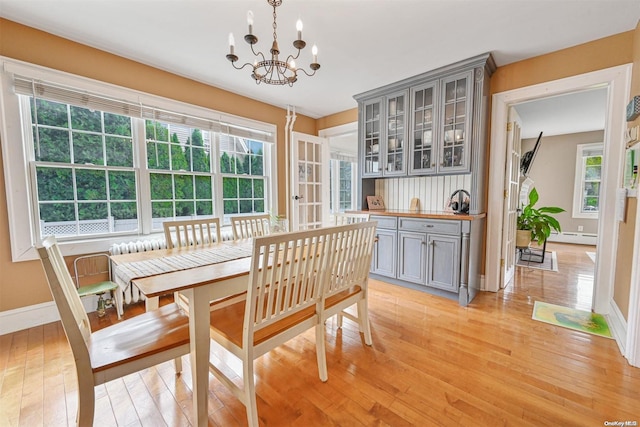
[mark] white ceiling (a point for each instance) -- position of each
(363, 44)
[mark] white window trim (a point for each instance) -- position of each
(14, 152)
(579, 175)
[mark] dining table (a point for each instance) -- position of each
(201, 273)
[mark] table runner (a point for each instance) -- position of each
(124, 273)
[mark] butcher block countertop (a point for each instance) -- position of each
(424, 214)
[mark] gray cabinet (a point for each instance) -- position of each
(443, 262)
(434, 123)
(441, 256)
(412, 257)
(383, 260)
(383, 138)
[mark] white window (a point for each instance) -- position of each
(94, 164)
(342, 177)
(586, 195)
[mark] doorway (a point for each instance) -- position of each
(616, 81)
(566, 170)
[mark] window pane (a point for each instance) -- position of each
(184, 209)
(54, 184)
(162, 209)
(245, 189)
(258, 188)
(87, 149)
(592, 173)
(122, 185)
(57, 212)
(229, 188)
(52, 114)
(119, 151)
(85, 119)
(204, 208)
(117, 125)
(91, 184)
(184, 187)
(127, 210)
(246, 206)
(161, 186)
(92, 211)
(53, 146)
(203, 187)
(230, 207)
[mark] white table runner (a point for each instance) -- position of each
(124, 273)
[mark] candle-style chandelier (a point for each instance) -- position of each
(273, 71)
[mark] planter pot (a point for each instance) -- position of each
(523, 238)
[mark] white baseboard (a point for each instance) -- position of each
(36, 315)
(617, 326)
(571, 237)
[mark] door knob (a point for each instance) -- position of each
(297, 197)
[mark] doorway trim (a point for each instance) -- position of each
(617, 81)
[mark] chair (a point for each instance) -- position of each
(115, 351)
(283, 300)
(93, 277)
(245, 227)
(191, 232)
(349, 218)
(347, 284)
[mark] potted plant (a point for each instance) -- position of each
(535, 224)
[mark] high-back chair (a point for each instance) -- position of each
(283, 301)
(245, 227)
(192, 232)
(349, 218)
(93, 277)
(348, 275)
(115, 351)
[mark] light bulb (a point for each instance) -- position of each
(292, 64)
(314, 52)
(232, 43)
(299, 28)
(250, 21)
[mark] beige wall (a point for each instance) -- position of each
(553, 173)
(22, 284)
(622, 289)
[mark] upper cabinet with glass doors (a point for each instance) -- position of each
(430, 124)
(370, 116)
(384, 136)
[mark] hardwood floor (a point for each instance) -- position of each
(432, 363)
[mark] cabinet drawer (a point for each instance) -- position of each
(431, 225)
(386, 222)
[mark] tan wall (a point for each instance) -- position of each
(337, 119)
(22, 284)
(622, 281)
(553, 173)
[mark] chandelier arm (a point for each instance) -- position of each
(290, 57)
(305, 71)
(243, 65)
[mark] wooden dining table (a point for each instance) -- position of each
(200, 284)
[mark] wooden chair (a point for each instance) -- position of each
(191, 232)
(349, 218)
(283, 300)
(93, 277)
(250, 226)
(115, 351)
(347, 281)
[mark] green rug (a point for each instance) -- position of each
(571, 318)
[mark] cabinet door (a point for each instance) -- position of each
(455, 131)
(412, 257)
(371, 138)
(443, 262)
(423, 154)
(396, 135)
(384, 254)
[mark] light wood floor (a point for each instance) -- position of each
(432, 363)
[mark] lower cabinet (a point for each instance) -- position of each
(443, 262)
(412, 257)
(383, 260)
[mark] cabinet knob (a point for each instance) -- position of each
(428, 225)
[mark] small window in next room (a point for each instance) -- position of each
(586, 195)
(342, 175)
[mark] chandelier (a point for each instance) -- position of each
(273, 71)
